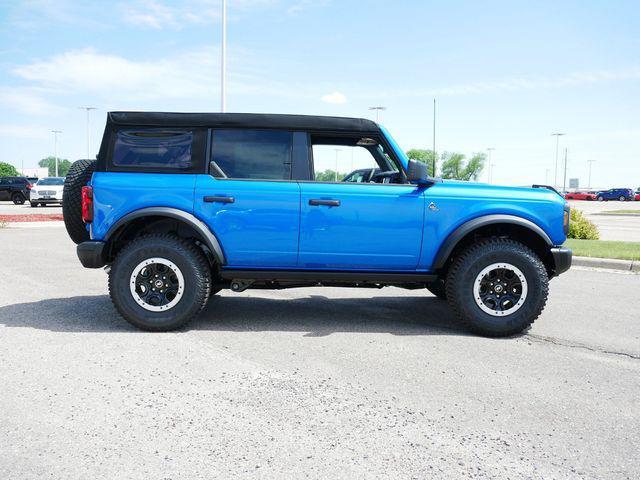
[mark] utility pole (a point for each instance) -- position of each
(546, 176)
(336, 172)
(490, 149)
(590, 163)
(55, 147)
(555, 177)
(378, 110)
(434, 137)
(223, 60)
(491, 165)
(564, 182)
(88, 109)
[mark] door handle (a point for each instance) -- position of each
(220, 199)
(328, 203)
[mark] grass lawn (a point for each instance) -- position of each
(620, 212)
(605, 249)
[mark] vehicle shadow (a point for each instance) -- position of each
(313, 316)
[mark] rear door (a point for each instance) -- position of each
(375, 225)
(248, 198)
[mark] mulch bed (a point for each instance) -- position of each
(34, 217)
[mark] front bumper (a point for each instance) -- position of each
(562, 259)
(92, 254)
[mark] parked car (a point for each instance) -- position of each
(580, 196)
(621, 194)
(47, 190)
(180, 206)
(637, 195)
(15, 189)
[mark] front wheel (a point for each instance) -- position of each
(622, 198)
(159, 282)
(34, 204)
(497, 287)
(600, 198)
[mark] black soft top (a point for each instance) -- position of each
(241, 120)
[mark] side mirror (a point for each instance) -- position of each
(418, 173)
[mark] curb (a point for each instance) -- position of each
(608, 263)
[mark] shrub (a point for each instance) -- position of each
(581, 227)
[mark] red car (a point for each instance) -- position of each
(580, 196)
(638, 195)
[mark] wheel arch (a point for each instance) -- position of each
(511, 226)
(163, 219)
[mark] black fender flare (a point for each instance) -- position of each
(459, 233)
(198, 225)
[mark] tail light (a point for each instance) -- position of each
(29, 186)
(87, 204)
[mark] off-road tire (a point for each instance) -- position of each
(18, 198)
(186, 256)
(78, 176)
(470, 262)
(438, 289)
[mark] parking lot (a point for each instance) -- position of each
(309, 382)
(612, 227)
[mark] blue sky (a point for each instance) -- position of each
(506, 74)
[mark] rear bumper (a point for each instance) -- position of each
(562, 259)
(92, 254)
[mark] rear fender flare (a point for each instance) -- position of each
(198, 225)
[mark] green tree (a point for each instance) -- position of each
(8, 170)
(329, 176)
(50, 163)
(455, 166)
(424, 156)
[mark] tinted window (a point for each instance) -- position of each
(253, 154)
(51, 181)
(153, 148)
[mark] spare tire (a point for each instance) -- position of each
(78, 176)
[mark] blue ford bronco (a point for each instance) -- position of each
(178, 206)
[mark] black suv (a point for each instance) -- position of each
(15, 189)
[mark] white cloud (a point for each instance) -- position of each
(26, 100)
(302, 5)
(335, 98)
(149, 13)
(25, 131)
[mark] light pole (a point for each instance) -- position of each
(223, 60)
(555, 177)
(55, 147)
(490, 149)
(88, 109)
(564, 182)
(336, 172)
(590, 163)
(491, 165)
(434, 137)
(378, 110)
(547, 171)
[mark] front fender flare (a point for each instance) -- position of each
(198, 225)
(459, 233)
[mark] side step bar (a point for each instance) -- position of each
(328, 276)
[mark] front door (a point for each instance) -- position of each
(249, 201)
(359, 224)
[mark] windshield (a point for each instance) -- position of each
(51, 181)
(396, 148)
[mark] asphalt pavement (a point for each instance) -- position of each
(315, 383)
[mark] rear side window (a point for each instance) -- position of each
(153, 149)
(252, 154)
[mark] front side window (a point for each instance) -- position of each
(252, 154)
(153, 148)
(352, 160)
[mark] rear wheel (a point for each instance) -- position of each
(497, 287)
(159, 282)
(622, 198)
(18, 198)
(78, 176)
